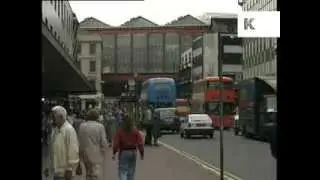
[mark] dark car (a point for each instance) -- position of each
(168, 120)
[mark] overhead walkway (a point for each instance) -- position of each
(59, 72)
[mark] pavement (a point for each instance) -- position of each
(245, 159)
(198, 158)
(159, 163)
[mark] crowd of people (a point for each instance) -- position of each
(84, 137)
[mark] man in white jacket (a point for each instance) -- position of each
(64, 149)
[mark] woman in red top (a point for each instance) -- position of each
(126, 142)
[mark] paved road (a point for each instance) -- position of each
(245, 158)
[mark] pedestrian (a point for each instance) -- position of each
(78, 121)
(119, 116)
(93, 145)
(155, 129)
(147, 121)
(64, 149)
(272, 138)
(71, 118)
(126, 142)
(110, 127)
(114, 126)
(44, 136)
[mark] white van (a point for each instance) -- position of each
(196, 124)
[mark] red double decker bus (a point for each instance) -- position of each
(206, 99)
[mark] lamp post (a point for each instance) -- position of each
(220, 73)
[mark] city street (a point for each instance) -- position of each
(245, 158)
(123, 67)
(159, 163)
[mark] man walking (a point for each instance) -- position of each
(155, 131)
(93, 145)
(64, 147)
(148, 125)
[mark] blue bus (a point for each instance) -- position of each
(159, 92)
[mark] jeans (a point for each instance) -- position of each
(127, 164)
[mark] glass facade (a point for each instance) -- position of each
(171, 62)
(108, 53)
(155, 53)
(123, 53)
(140, 53)
(186, 42)
(151, 53)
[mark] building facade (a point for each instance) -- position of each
(205, 56)
(206, 49)
(259, 54)
(201, 60)
(184, 81)
(140, 49)
(89, 52)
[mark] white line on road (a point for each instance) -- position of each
(203, 164)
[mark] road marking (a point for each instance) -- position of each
(203, 164)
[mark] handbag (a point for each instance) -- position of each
(79, 170)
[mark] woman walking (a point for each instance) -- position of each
(126, 142)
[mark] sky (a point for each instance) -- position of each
(161, 12)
